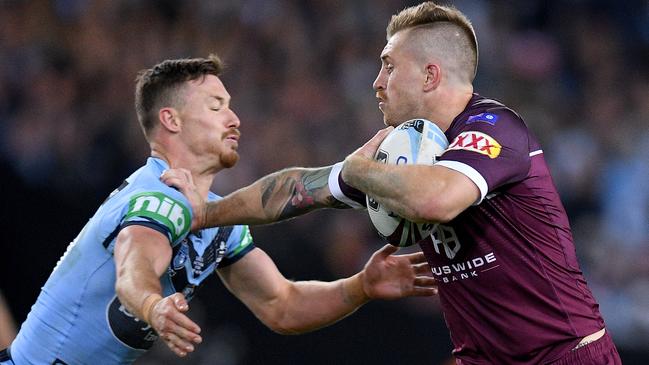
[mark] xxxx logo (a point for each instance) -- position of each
(476, 142)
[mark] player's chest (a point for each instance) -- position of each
(458, 257)
(196, 258)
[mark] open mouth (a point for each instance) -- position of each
(381, 101)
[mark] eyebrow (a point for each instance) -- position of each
(385, 57)
(220, 99)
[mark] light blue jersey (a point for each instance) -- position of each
(77, 318)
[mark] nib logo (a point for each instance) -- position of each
(163, 209)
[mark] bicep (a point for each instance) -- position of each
(139, 245)
(458, 192)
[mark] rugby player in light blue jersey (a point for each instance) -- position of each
(129, 275)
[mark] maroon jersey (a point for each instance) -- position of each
(510, 286)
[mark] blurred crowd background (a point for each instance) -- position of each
(300, 73)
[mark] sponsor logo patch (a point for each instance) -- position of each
(476, 142)
(483, 117)
(161, 208)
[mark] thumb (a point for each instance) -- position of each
(180, 302)
(369, 148)
(381, 134)
(387, 129)
(387, 250)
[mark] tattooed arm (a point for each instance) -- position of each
(281, 195)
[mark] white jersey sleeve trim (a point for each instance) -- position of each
(469, 172)
(335, 189)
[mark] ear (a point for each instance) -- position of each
(170, 120)
(433, 77)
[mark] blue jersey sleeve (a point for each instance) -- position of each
(238, 244)
(165, 211)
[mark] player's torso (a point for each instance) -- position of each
(510, 285)
(78, 318)
(193, 261)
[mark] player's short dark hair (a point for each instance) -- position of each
(158, 86)
(429, 14)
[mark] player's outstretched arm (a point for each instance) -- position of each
(278, 196)
(141, 256)
(296, 307)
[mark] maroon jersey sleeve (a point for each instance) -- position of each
(491, 148)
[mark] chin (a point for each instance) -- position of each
(230, 159)
(390, 122)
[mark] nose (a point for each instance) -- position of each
(233, 121)
(379, 82)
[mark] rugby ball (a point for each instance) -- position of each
(417, 141)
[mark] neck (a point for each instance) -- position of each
(449, 104)
(202, 175)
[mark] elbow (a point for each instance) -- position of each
(120, 288)
(281, 325)
(279, 319)
(286, 331)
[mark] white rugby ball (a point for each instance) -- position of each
(417, 141)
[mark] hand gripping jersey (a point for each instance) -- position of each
(78, 319)
(510, 286)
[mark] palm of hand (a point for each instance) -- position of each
(389, 278)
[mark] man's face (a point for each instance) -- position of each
(210, 127)
(399, 83)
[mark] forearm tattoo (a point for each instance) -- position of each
(294, 192)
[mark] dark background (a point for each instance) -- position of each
(300, 74)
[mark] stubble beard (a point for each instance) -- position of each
(229, 159)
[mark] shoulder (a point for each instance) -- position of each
(485, 126)
(485, 112)
(146, 181)
(145, 198)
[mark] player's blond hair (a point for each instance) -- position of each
(429, 15)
